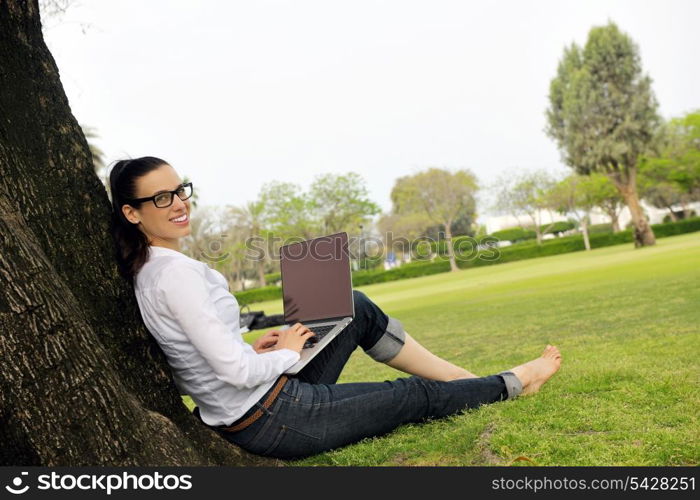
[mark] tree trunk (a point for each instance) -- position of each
(684, 207)
(538, 228)
(81, 380)
(450, 249)
(584, 230)
(261, 272)
(614, 220)
(672, 214)
(643, 234)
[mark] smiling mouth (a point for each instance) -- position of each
(181, 219)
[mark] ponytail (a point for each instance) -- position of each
(131, 243)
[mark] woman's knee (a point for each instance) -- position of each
(360, 300)
(381, 336)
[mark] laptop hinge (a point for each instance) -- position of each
(326, 320)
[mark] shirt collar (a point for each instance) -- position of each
(155, 250)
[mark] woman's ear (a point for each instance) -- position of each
(131, 214)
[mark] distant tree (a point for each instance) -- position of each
(672, 176)
(398, 231)
(234, 251)
(439, 194)
(203, 229)
(463, 225)
(606, 196)
(248, 222)
(288, 211)
(526, 195)
(575, 195)
(660, 194)
(341, 202)
(603, 114)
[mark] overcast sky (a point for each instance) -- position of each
(235, 94)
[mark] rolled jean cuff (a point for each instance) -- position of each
(390, 343)
(513, 384)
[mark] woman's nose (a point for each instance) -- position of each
(178, 203)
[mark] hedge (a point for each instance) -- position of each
(273, 277)
(600, 228)
(558, 227)
(245, 297)
(519, 251)
(410, 270)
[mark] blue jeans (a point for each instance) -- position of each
(313, 414)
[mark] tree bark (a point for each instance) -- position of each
(643, 234)
(82, 382)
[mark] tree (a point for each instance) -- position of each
(248, 221)
(341, 202)
(81, 380)
(462, 225)
(288, 212)
(233, 255)
(526, 195)
(658, 190)
(603, 114)
(399, 230)
(673, 175)
(605, 195)
(204, 228)
(439, 194)
(575, 195)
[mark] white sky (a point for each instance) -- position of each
(238, 93)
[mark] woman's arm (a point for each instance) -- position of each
(183, 293)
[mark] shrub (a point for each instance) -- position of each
(599, 228)
(258, 294)
(273, 278)
(515, 234)
(411, 270)
(558, 227)
(682, 226)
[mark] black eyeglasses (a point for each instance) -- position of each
(165, 199)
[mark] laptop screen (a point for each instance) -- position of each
(316, 282)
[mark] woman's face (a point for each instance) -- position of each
(158, 223)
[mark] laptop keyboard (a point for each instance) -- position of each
(320, 331)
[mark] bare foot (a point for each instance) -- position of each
(535, 373)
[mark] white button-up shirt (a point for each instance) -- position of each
(189, 310)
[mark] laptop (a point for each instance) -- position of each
(317, 291)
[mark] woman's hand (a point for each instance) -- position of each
(267, 342)
(293, 338)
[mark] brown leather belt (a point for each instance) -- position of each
(266, 404)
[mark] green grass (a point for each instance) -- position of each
(627, 322)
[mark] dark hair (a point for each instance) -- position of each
(131, 242)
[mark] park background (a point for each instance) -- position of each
(462, 129)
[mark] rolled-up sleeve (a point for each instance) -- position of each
(183, 292)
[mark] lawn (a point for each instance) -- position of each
(627, 322)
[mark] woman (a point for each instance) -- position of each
(239, 389)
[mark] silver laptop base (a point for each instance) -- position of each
(309, 353)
